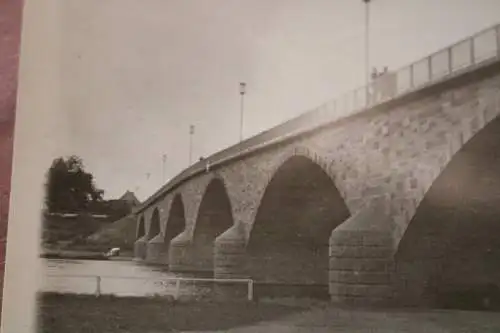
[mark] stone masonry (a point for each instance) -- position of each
(382, 163)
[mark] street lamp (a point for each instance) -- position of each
(367, 49)
(164, 160)
(191, 133)
(242, 94)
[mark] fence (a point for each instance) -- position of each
(467, 54)
(142, 286)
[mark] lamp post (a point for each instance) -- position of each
(367, 49)
(191, 133)
(163, 163)
(242, 94)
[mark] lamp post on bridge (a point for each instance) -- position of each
(367, 49)
(242, 94)
(191, 133)
(163, 163)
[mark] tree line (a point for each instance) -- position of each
(71, 189)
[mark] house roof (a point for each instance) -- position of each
(130, 197)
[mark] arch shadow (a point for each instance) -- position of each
(450, 253)
(141, 241)
(288, 247)
(214, 217)
(154, 228)
(176, 222)
(141, 229)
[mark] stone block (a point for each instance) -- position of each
(361, 252)
(361, 264)
(375, 291)
(358, 277)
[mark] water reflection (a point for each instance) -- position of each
(120, 278)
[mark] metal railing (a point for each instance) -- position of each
(465, 55)
(161, 283)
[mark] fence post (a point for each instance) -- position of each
(98, 286)
(250, 290)
(177, 289)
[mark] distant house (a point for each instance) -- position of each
(130, 198)
(114, 209)
(122, 206)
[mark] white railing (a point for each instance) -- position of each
(162, 284)
(465, 55)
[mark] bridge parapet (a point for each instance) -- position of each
(478, 50)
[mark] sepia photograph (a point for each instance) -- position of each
(252, 166)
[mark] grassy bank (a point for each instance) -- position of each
(79, 314)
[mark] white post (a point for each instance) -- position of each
(191, 133)
(250, 290)
(98, 286)
(367, 50)
(242, 94)
(164, 160)
(177, 289)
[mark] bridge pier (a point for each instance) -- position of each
(180, 254)
(230, 260)
(157, 250)
(230, 254)
(140, 246)
(361, 268)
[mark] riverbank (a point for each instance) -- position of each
(78, 314)
(81, 255)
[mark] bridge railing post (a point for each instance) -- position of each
(98, 286)
(177, 291)
(250, 290)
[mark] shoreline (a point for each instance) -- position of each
(80, 255)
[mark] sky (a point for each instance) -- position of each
(136, 74)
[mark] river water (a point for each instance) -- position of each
(120, 278)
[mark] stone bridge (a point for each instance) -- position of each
(398, 201)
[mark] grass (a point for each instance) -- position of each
(88, 314)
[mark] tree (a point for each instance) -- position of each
(69, 188)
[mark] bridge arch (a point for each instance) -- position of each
(141, 228)
(154, 225)
(214, 217)
(452, 243)
(141, 241)
(288, 243)
(176, 222)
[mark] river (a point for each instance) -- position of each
(118, 277)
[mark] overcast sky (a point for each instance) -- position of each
(137, 73)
